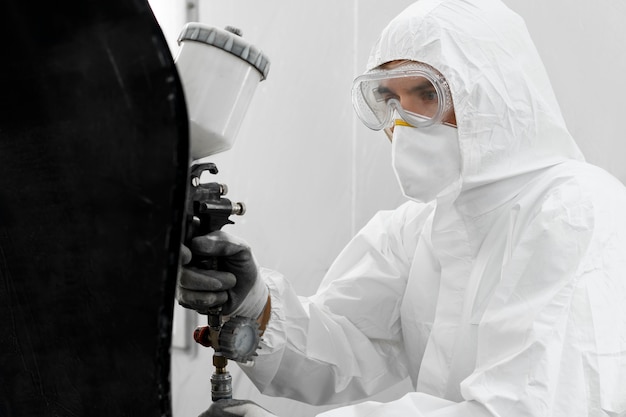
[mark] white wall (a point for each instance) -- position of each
(171, 15)
(311, 174)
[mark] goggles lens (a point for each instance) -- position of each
(416, 91)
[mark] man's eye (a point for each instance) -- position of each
(384, 95)
(430, 95)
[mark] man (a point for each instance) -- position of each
(498, 288)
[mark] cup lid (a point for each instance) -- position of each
(229, 40)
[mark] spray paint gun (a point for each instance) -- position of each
(219, 72)
(238, 337)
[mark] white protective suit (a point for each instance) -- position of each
(505, 297)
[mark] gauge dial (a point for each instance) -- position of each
(239, 339)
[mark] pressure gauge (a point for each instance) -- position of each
(239, 339)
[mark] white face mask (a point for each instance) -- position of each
(426, 160)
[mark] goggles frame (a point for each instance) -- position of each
(380, 117)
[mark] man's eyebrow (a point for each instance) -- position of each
(383, 90)
(424, 85)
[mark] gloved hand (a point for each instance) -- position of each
(237, 287)
(236, 408)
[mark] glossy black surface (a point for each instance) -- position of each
(93, 165)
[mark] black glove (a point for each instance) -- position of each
(236, 286)
(236, 408)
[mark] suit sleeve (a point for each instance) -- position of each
(344, 343)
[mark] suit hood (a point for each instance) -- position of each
(509, 121)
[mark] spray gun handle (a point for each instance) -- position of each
(238, 338)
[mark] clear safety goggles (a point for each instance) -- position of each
(417, 92)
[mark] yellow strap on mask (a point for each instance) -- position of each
(401, 122)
